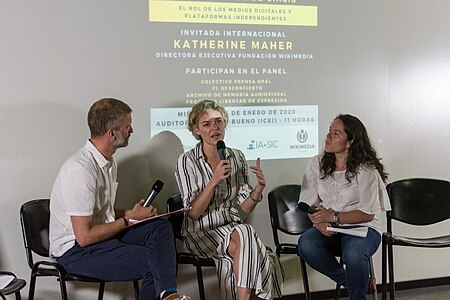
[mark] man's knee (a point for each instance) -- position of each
(164, 226)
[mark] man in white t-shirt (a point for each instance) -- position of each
(88, 236)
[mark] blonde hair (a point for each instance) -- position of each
(199, 109)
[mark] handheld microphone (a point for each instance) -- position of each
(156, 188)
(221, 149)
(306, 208)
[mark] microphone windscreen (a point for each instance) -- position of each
(303, 206)
(221, 145)
(157, 186)
(221, 149)
(306, 208)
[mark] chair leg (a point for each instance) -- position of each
(383, 268)
(62, 285)
(338, 286)
(338, 291)
(305, 278)
(391, 271)
(201, 287)
(101, 290)
(32, 286)
(136, 289)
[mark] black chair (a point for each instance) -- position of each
(35, 218)
(418, 202)
(175, 203)
(13, 287)
(287, 218)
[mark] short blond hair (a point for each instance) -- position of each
(199, 109)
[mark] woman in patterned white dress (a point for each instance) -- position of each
(213, 228)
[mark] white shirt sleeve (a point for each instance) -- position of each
(372, 191)
(78, 190)
(309, 190)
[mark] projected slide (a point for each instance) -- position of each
(247, 56)
(233, 12)
(270, 132)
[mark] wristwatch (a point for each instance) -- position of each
(337, 219)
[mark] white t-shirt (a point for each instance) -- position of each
(365, 192)
(85, 186)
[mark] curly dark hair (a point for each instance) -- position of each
(361, 152)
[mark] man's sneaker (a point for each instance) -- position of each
(176, 296)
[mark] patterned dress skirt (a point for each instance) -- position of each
(259, 268)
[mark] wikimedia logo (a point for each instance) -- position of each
(302, 136)
(302, 146)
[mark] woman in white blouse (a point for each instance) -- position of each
(347, 185)
(210, 186)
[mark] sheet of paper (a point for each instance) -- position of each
(5, 280)
(133, 222)
(360, 231)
